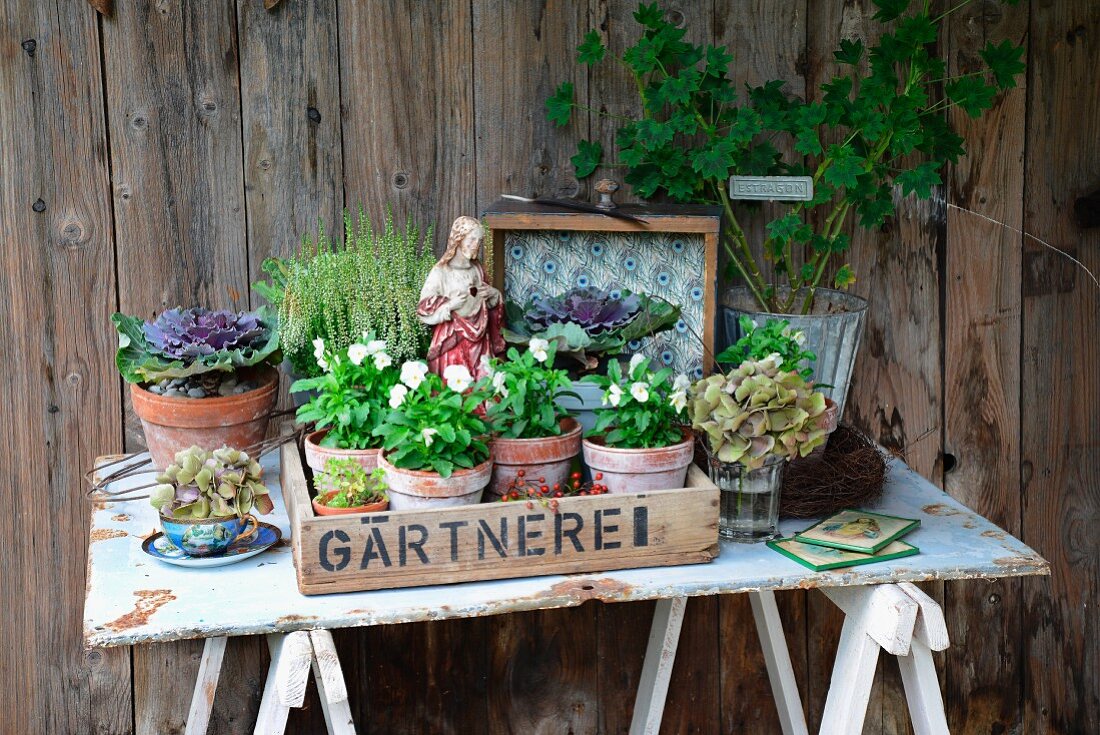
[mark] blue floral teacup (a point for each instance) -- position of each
(207, 536)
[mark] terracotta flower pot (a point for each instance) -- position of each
(640, 470)
(549, 457)
(324, 510)
(415, 490)
(171, 424)
(316, 455)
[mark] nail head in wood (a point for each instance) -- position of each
(39, 205)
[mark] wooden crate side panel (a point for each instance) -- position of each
(60, 392)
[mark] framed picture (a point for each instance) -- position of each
(541, 251)
(857, 530)
(820, 558)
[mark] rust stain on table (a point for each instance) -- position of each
(103, 534)
(148, 602)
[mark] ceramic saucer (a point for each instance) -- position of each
(159, 547)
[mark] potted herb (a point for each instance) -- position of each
(344, 487)
(532, 436)
(588, 326)
(434, 451)
(205, 499)
(200, 377)
(754, 420)
(875, 131)
(336, 292)
(348, 401)
(639, 442)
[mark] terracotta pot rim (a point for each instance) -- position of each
(485, 466)
(208, 519)
(334, 450)
(597, 443)
(368, 508)
(269, 382)
(538, 440)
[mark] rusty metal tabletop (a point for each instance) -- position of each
(132, 598)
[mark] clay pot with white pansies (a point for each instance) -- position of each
(640, 442)
(533, 438)
(435, 442)
(347, 402)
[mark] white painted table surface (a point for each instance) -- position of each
(132, 598)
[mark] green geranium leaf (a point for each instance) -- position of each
(1005, 61)
(920, 180)
(889, 10)
(846, 166)
(591, 51)
(587, 158)
(972, 94)
(559, 106)
(844, 277)
(850, 52)
(651, 16)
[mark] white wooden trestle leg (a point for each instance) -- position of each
(918, 670)
(331, 687)
(206, 684)
(769, 629)
(660, 654)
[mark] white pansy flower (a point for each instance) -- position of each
(397, 395)
(318, 346)
(485, 366)
(635, 361)
(613, 396)
(799, 338)
(412, 373)
(640, 391)
(678, 400)
(538, 347)
(498, 384)
(426, 435)
(754, 323)
(681, 384)
(458, 378)
(375, 346)
(382, 360)
(356, 353)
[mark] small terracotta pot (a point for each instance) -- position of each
(324, 510)
(640, 470)
(171, 424)
(549, 457)
(316, 455)
(414, 489)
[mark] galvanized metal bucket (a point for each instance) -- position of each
(833, 332)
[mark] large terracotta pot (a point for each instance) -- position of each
(549, 458)
(171, 424)
(324, 510)
(316, 455)
(640, 470)
(416, 490)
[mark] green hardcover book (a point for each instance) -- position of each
(820, 558)
(857, 530)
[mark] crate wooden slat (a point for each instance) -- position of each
(496, 540)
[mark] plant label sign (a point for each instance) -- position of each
(772, 188)
(498, 540)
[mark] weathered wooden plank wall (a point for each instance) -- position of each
(156, 156)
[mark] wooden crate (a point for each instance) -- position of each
(496, 540)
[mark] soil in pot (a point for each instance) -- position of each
(549, 458)
(325, 510)
(640, 470)
(317, 455)
(172, 423)
(417, 490)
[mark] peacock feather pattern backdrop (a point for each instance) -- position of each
(541, 263)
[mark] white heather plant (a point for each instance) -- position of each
(642, 409)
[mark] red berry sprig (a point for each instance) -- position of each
(539, 491)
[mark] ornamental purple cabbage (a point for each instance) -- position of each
(593, 309)
(188, 334)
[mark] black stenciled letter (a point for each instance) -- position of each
(369, 553)
(453, 526)
(641, 526)
(525, 535)
(500, 544)
(601, 529)
(406, 544)
(572, 533)
(342, 553)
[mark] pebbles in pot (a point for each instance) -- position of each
(202, 386)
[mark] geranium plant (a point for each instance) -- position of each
(642, 409)
(586, 323)
(877, 126)
(521, 387)
(351, 394)
(353, 485)
(181, 343)
(758, 410)
(433, 424)
(775, 337)
(219, 484)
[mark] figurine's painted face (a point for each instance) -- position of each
(471, 244)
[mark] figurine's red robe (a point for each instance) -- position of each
(463, 340)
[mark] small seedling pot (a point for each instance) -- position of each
(207, 536)
(172, 424)
(549, 458)
(640, 470)
(415, 490)
(324, 510)
(317, 455)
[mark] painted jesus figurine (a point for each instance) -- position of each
(463, 310)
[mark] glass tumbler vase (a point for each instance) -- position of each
(749, 510)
